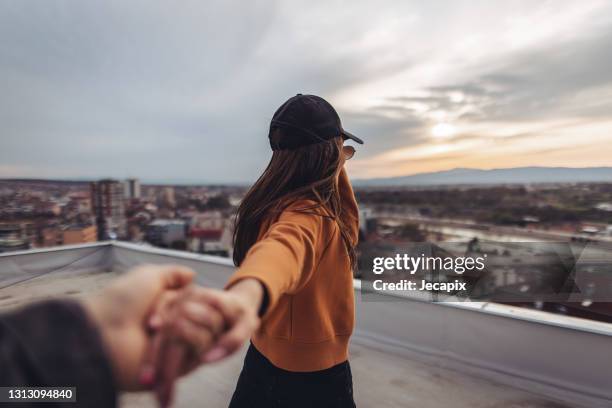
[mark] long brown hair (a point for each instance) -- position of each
(308, 172)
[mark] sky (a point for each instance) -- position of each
(184, 91)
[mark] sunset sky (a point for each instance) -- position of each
(184, 91)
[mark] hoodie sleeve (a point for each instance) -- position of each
(285, 258)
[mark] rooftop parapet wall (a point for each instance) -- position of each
(560, 357)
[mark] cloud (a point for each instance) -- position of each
(539, 83)
(544, 82)
(185, 91)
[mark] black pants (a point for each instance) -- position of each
(263, 385)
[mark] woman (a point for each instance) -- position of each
(294, 245)
(295, 235)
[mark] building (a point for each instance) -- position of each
(132, 188)
(367, 222)
(51, 236)
(80, 234)
(604, 206)
(210, 241)
(209, 220)
(135, 233)
(81, 202)
(166, 233)
(168, 198)
(13, 238)
(108, 208)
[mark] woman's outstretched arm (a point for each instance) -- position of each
(285, 258)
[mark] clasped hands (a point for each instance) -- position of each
(158, 326)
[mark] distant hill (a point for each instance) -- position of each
(43, 181)
(517, 175)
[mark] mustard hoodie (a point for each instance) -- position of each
(301, 260)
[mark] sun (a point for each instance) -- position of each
(443, 130)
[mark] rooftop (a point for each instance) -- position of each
(163, 223)
(420, 354)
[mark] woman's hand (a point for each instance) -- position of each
(190, 322)
(240, 306)
(185, 328)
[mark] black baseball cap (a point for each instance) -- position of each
(304, 120)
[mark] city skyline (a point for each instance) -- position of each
(166, 93)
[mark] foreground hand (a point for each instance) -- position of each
(120, 311)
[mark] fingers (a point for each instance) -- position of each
(138, 290)
(159, 334)
(177, 276)
(199, 339)
(204, 315)
(241, 320)
(152, 357)
(169, 373)
(121, 310)
(178, 317)
(231, 341)
(212, 297)
(230, 308)
(192, 322)
(151, 279)
(162, 310)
